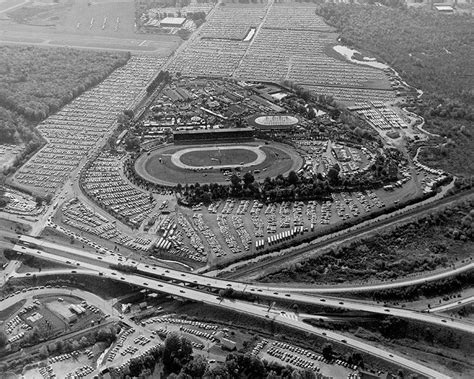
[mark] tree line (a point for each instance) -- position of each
(37, 82)
(295, 186)
(432, 52)
(437, 239)
(176, 356)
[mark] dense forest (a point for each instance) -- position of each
(37, 82)
(433, 52)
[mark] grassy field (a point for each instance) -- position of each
(103, 24)
(221, 157)
(6, 313)
(280, 160)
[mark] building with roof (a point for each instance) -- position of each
(183, 137)
(172, 22)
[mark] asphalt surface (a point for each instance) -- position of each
(253, 310)
(100, 263)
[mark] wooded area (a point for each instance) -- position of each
(434, 241)
(432, 52)
(37, 82)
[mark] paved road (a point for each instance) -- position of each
(106, 306)
(9, 271)
(455, 304)
(100, 263)
(66, 254)
(256, 311)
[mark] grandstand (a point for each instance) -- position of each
(274, 122)
(184, 137)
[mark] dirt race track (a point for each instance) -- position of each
(271, 160)
(104, 25)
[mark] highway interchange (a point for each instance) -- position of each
(195, 287)
(146, 274)
(228, 304)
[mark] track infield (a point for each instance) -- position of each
(189, 164)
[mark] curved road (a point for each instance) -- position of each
(261, 312)
(85, 260)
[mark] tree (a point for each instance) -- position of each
(196, 368)
(333, 174)
(52, 347)
(176, 353)
(248, 179)
(293, 178)
(43, 352)
(3, 339)
(132, 143)
(235, 180)
(129, 113)
(327, 351)
(39, 201)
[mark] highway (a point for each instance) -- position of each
(453, 305)
(238, 286)
(99, 263)
(237, 306)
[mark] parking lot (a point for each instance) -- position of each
(104, 182)
(273, 42)
(75, 131)
(85, 219)
(78, 364)
(227, 229)
(285, 353)
(22, 204)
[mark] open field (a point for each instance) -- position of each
(205, 157)
(102, 24)
(6, 313)
(279, 159)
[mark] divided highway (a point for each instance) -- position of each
(96, 262)
(233, 305)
